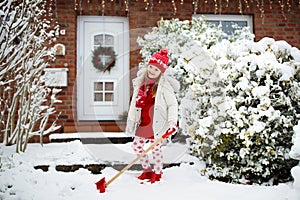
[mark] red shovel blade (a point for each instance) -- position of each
(101, 185)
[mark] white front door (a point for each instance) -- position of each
(102, 95)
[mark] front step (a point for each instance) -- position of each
(97, 168)
(109, 153)
(92, 137)
(94, 126)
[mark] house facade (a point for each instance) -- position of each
(96, 100)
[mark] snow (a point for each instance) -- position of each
(295, 150)
(87, 135)
(19, 179)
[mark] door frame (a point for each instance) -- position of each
(80, 61)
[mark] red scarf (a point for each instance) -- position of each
(142, 93)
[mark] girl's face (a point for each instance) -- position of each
(153, 72)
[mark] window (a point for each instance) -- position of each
(103, 91)
(104, 40)
(228, 20)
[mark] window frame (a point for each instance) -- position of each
(229, 17)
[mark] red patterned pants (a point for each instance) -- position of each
(138, 148)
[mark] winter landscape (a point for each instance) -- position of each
(239, 116)
(19, 179)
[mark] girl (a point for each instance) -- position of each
(153, 111)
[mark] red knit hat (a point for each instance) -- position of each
(160, 59)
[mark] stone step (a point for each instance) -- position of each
(113, 151)
(94, 126)
(92, 137)
(102, 137)
(96, 168)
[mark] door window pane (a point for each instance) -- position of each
(98, 86)
(109, 97)
(104, 91)
(103, 40)
(98, 97)
(109, 40)
(98, 40)
(109, 86)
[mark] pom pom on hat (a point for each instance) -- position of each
(160, 59)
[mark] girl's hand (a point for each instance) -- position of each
(171, 130)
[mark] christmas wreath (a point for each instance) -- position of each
(99, 53)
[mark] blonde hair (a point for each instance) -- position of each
(155, 86)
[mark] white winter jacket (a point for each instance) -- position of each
(165, 106)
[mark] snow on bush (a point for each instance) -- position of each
(25, 102)
(295, 153)
(295, 150)
(240, 111)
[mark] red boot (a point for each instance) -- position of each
(155, 178)
(146, 175)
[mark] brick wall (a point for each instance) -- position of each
(67, 20)
(274, 24)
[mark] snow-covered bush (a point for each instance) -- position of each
(246, 133)
(239, 104)
(25, 103)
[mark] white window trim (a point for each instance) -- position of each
(225, 17)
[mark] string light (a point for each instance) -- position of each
(127, 5)
(240, 7)
(174, 7)
(75, 5)
(262, 10)
(151, 5)
(195, 2)
(147, 4)
(247, 4)
(288, 5)
(271, 3)
(285, 5)
(80, 7)
(282, 8)
(227, 3)
(103, 7)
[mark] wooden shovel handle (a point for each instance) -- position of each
(134, 161)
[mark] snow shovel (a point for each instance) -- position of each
(102, 184)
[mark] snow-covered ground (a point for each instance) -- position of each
(19, 179)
